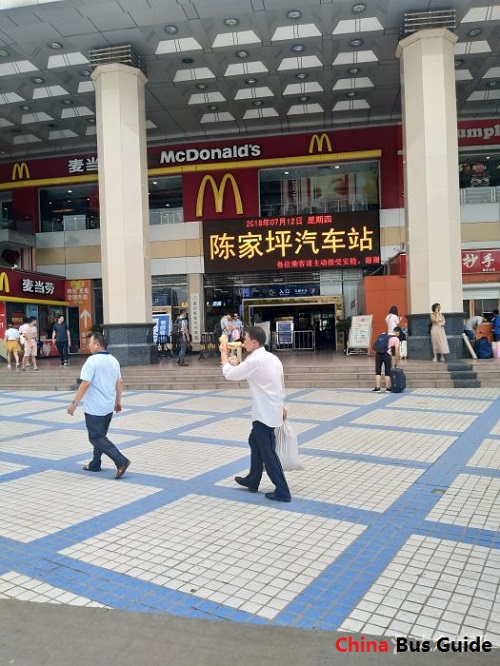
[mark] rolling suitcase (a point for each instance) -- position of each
(398, 380)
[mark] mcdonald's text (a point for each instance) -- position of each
(210, 154)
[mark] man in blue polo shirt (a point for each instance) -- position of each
(101, 384)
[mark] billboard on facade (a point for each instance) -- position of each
(306, 242)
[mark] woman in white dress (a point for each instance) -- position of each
(439, 340)
(392, 320)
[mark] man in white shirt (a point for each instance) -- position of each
(102, 387)
(264, 373)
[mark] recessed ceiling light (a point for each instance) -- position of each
(187, 61)
(85, 72)
(25, 107)
(67, 102)
(250, 82)
(358, 8)
(242, 54)
(55, 46)
(294, 14)
(15, 130)
(356, 42)
(201, 86)
(171, 29)
(474, 32)
(91, 121)
(353, 71)
(258, 102)
(231, 22)
(351, 93)
(213, 107)
(304, 98)
(298, 48)
(38, 79)
(492, 84)
(4, 53)
(301, 75)
(459, 63)
(52, 125)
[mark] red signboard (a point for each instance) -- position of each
(33, 286)
(480, 261)
(292, 243)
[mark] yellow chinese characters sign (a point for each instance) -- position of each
(292, 243)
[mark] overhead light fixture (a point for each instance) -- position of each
(459, 63)
(212, 107)
(474, 32)
(294, 14)
(258, 102)
(231, 22)
(242, 54)
(171, 29)
(298, 48)
(356, 42)
(4, 53)
(15, 130)
(187, 61)
(85, 72)
(353, 71)
(351, 93)
(304, 98)
(201, 86)
(38, 79)
(55, 46)
(250, 82)
(301, 75)
(358, 8)
(492, 84)
(91, 121)
(67, 102)
(25, 107)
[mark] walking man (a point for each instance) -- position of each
(101, 385)
(264, 374)
(62, 338)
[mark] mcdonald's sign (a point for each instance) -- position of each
(317, 141)
(20, 171)
(4, 283)
(218, 192)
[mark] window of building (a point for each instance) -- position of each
(329, 188)
(69, 208)
(169, 291)
(479, 176)
(6, 216)
(165, 200)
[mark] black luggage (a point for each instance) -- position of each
(398, 380)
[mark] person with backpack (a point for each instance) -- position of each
(386, 348)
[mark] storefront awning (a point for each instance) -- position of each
(36, 301)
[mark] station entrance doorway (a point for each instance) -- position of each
(304, 323)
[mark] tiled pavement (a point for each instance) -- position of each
(393, 529)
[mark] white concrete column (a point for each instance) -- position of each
(430, 147)
(124, 214)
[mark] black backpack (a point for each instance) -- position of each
(217, 330)
(381, 344)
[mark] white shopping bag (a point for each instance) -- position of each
(287, 447)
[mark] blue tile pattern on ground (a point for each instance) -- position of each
(209, 448)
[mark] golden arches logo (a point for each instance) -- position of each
(317, 140)
(4, 283)
(218, 194)
(20, 171)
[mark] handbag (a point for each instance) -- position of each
(287, 447)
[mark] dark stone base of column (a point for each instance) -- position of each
(131, 344)
(419, 338)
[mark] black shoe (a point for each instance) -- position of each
(376, 390)
(87, 468)
(276, 498)
(389, 389)
(183, 364)
(243, 482)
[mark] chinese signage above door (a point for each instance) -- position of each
(292, 243)
(480, 261)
